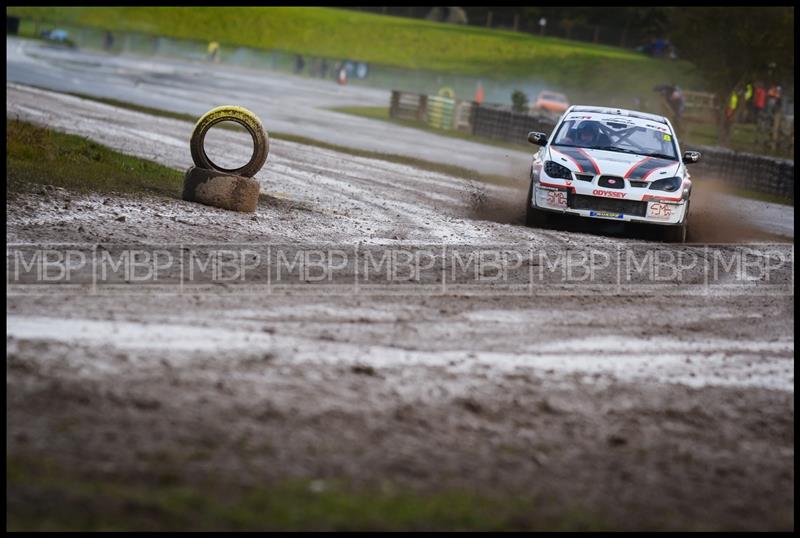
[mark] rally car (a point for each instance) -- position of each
(551, 102)
(614, 164)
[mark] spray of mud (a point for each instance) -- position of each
(711, 220)
(715, 222)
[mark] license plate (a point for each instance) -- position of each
(660, 211)
(605, 214)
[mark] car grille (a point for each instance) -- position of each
(584, 177)
(611, 182)
(640, 184)
(613, 205)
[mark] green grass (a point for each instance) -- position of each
(393, 41)
(44, 496)
(38, 156)
(744, 137)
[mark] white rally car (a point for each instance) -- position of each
(610, 163)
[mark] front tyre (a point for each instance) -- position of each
(678, 234)
(534, 218)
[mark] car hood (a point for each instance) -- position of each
(613, 163)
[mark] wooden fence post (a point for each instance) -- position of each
(395, 103)
(422, 110)
(776, 125)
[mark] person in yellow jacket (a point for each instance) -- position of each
(747, 106)
(733, 103)
(213, 52)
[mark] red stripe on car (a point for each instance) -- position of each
(644, 177)
(635, 166)
(571, 158)
(594, 163)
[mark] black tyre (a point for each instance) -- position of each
(678, 234)
(246, 119)
(675, 234)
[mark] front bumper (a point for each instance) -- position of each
(666, 210)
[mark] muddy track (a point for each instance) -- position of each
(666, 408)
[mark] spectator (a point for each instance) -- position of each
(759, 100)
(733, 104)
(108, 41)
(323, 68)
(213, 52)
(773, 99)
(748, 103)
(659, 47)
(675, 101)
(650, 48)
(299, 64)
(341, 73)
(673, 52)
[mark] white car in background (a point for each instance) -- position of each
(613, 164)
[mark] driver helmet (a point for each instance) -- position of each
(587, 131)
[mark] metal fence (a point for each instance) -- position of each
(507, 125)
(758, 173)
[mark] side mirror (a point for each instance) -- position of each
(537, 138)
(690, 157)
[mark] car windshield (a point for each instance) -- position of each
(621, 135)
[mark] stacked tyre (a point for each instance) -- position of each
(209, 184)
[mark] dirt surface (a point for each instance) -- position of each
(660, 405)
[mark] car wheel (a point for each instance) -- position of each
(678, 234)
(534, 218)
(675, 234)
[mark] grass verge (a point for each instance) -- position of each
(45, 496)
(39, 156)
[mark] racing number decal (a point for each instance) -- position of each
(557, 198)
(660, 211)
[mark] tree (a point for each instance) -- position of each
(519, 101)
(732, 46)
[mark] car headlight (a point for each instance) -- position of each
(669, 184)
(553, 169)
